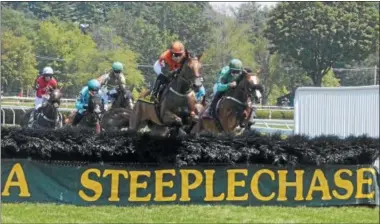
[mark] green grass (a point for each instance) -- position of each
(49, 213)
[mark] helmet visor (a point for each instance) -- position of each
(235, 71)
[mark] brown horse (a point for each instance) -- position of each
(233, 109)
(175, 103)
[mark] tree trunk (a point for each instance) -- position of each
(317, 78)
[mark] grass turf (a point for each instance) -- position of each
(50, 213)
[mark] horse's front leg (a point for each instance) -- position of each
(60, 120)
(135, 118)
(191, 102)
(171, 119)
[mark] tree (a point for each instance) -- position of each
(18, 63)
(229, 41)
(18, 23)
(329, 80)
(318, 34)
(251, 13)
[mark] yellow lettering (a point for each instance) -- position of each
(160, 184)
(115, 182)
(342, 183)
(20, 182)
(232, 183)
(283, 184)
(323, 187)
(210, 187)
(91, 184)
(361, 180)
(186, 186)
(134, 185)
(255, 185)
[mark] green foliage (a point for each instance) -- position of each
(64, 41)
(276, 92)
(17, 60)
(267, 114)
(18, 23)
(309, 38)
(329, 80)
(317, 34)
(228, 41)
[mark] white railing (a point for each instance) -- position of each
(275, 122)
(266, 122)
(19, 100)
(24, 109)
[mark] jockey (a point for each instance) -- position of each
(92, 88)
(44, 84)
(111, 82)
(170, 61)
(226, 79)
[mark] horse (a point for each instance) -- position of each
(233, 109)
(47, 116)
(118, 116)
(175, 102)
(93, 115)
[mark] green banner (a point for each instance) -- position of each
(96, 184)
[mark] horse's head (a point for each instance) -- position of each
(95, 105)
(191, 69)
(249, 83)
(55, 97)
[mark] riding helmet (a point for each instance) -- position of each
(236, 65)
(117, 66)
(47, 71)
(93, 84)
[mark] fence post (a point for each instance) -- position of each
(375, 74)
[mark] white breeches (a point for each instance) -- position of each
(214, 88)
(106, 98)
(39, 100)
(157, 67)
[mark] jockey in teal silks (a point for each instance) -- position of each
(92, 88)
(227, 77)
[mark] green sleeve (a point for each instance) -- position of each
(223, 81)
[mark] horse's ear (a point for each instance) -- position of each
(187, 53)
(259, 71)
(199, 56)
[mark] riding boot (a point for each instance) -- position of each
(31, 118)
(156, 88)
(77, 119)
(211, 110)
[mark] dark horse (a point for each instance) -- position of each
(93, 115)
(233, 109)
(118, 116)
(47, 116)
(175, 102)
